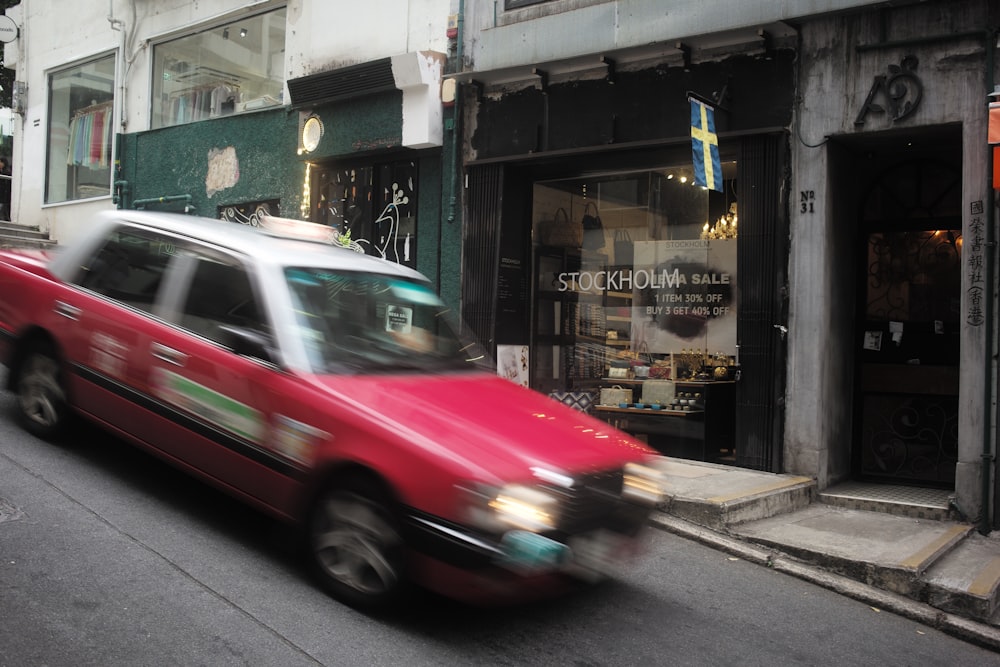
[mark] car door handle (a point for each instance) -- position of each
(169, 354)
(64, 309)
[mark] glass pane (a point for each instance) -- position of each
(914, 276)
(128, 268)
(367, 323)
(228, 69)
(81, 127)
(634, 268)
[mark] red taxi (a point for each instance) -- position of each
(327, 388)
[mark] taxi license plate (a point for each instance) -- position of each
(530, 552)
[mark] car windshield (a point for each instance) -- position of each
(363, 323)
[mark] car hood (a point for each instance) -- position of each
(486, 424)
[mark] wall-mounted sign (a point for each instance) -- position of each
(898, 94)
(8, 29)
(689, 300)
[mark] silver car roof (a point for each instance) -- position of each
(260, 245)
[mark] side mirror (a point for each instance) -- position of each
(247, 342)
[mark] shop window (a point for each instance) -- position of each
(80, 132)
(229, 68)
(372, 207)
(633, 269)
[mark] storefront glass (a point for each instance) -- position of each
(81, 128)
(635, 275)
(230, 68)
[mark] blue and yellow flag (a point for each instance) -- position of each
(705, 146)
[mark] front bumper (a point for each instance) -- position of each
(593, 547)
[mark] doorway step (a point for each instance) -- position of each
(908, 501)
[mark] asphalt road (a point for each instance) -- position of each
(108, 557)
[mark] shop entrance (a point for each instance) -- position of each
(908, 317)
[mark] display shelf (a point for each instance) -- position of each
(704, 432)
(648, 411)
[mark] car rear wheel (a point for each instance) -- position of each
(355, 546)
(41, 395)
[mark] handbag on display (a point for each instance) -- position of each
(624, 250)
(658, 391)
(559, 231)
(593, 228)
(612, 396)
(661, 370)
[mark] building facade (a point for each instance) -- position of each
(823, 301)
(231, 109)
(772, 225)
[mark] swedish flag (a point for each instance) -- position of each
(705, 146)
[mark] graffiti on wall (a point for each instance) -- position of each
(372, 207)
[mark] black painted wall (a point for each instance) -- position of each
(638, 106)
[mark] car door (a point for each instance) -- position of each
(103, 319)
(220, 405)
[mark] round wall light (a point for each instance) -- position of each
(312, 132)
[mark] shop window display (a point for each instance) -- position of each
(221, 70)
(636, 290)
(81, 131)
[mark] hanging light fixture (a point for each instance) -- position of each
(725, 227)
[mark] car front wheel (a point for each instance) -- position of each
(355, 546)
(41, 395)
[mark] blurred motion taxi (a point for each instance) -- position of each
(327, 388)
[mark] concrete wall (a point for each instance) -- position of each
(835, 79)
(570, 28)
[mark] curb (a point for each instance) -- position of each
(965, 629)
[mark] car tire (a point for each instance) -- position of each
(42, 406)
(355, 546)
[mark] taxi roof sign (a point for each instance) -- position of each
(297, 229)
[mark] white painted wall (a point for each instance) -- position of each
(321, 35)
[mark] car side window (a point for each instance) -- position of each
(129, 267)
(221, 294)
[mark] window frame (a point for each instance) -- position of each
(223, 103)
(86, 277)
(109, 113)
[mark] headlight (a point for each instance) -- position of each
(526, 508)
(514, 506)
(643, 485)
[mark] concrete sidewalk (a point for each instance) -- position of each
(938, 571)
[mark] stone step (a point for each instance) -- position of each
(879, 549)
(29, 236)
(966, 580)
(898, 500)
